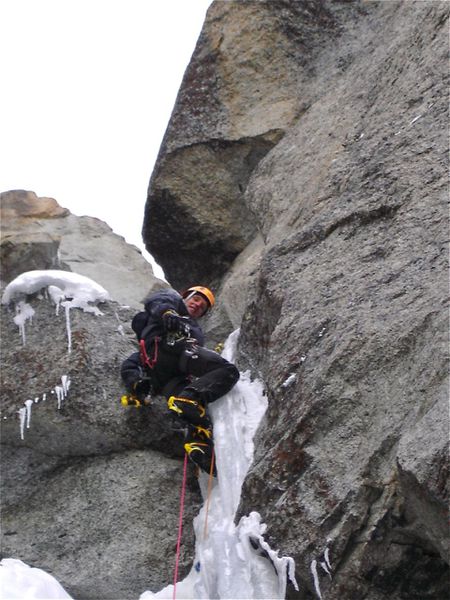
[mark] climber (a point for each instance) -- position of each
(173, 362)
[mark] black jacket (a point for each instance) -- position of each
(160, 302)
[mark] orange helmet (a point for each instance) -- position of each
(203, 291)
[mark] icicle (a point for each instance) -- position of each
(22, 415)
(327, 556)
(292, 377)
(28, 405)
(65, 381)
(44, 397)
(68, 329)
(291, 572)
(284, 565)
(57, 295)
(59, 395)
(316, 578)
(23, 312)
(36, 400)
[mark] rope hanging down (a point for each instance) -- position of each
(180, 526)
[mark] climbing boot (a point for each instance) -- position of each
(139, 390)
(187, 409)
(204, 434)
(201, 453)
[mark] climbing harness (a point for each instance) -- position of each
(208, 496)
(180, 526)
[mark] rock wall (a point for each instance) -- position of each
(304, 175)
(92, 488)
(91, 492)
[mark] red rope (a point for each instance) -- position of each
(180, 526)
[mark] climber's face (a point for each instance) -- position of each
(196, 306)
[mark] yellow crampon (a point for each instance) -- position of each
(202, 454)
(203, 432)
(130, 401)
(191, 446)
(171, 403)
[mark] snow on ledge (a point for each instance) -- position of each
(64, 288)
(78, 287)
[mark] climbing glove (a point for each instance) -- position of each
(173, 323)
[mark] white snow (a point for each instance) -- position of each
(64, 288)
(18, 581)
(230, 560)
(78, 287)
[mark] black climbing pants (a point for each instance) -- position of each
(185, 370)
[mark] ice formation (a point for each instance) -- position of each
(22, 418)
(23, 312)
(325, 564)
(28, 405)
(292, 377)
(316, 578)
(232, 561)
(61, 392)
(78, 287)
(64, 288)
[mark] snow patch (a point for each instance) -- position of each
(80, 288)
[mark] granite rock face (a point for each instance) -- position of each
(303, 175)
(91, 487)
(37, 233)
(238, 97)
(328, 247)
